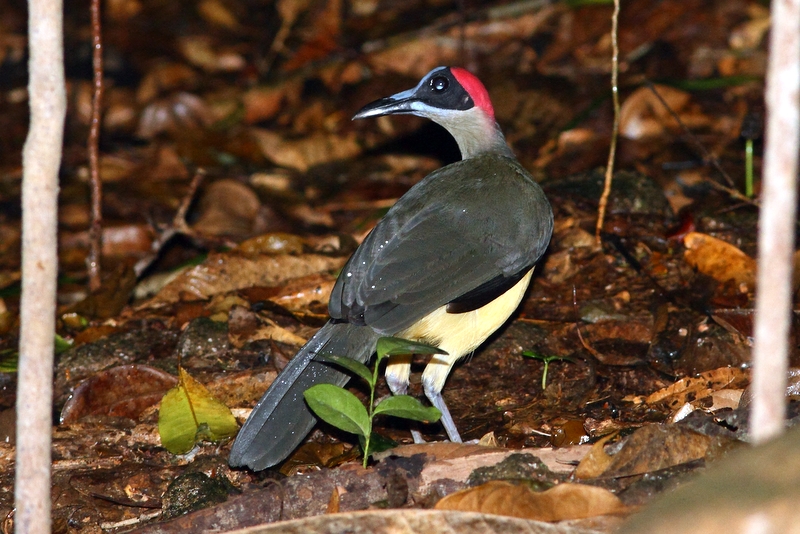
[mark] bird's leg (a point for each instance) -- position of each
(397, 372)
(433, 379)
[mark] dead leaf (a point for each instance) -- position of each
(597, 461)
(217, 13)
(163, 78)
(692, 389)
(174, 114)
(225, 272)
(202, 51)
(565, 501)
(262, 103)
(122, 391)
(643, 116)
(655, 447)
(227, 208)
(272, 331)
(305, 153)
(272, 243)
(720, 260)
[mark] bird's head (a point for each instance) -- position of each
(453, 98)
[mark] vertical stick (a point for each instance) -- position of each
(41, 159)
(612, 150)
(96, 229)
(776, 223)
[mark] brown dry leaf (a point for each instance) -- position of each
(175, 114)
(217, 13)
(262, 103)
(725, 398)
(562, 502)
(313, 455)
(655, 447)
(272, 243)
(272, 331)
(165, 77)
(305, 153)
(166, 164)
(242, 388)
(321, 35)
(754, 489)
(642, 115)
(597, 461)
(299, 293)
(227, 208)
(115, 168)
(719, 259)
(748, 36)
(692, 389)
(221, 273)
(121, 10)
(120, 112)
(122, 391)
(201, 51)
(416, 57)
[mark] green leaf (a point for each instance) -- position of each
(62, 345)
(339, 407)
(407, 407)
(391, 346)
(189, 413)
(379, 443)
(351, 365)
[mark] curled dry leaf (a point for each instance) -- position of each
(720, 260)
(597, 461)
(643, 116)
(562, 502)
(227, 208)
(307, 152)
(692, 389)
(225, 272)
(174, 114)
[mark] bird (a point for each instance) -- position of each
(447, 265)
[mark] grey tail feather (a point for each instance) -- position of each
(282, 419)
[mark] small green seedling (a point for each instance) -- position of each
(546, 360)
(340, 408)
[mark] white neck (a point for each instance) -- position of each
(473, 130)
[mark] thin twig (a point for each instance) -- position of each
(776, 224)
(178, 226)
(585, 344)
(707, 156)
(96, 228)
(612, 150)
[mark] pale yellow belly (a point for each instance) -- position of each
(457, 333)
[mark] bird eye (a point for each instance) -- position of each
(440, 84)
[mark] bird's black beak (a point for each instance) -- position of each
(401, 103)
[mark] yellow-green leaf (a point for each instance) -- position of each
(189, 413)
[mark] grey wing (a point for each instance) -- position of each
(450, 235)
